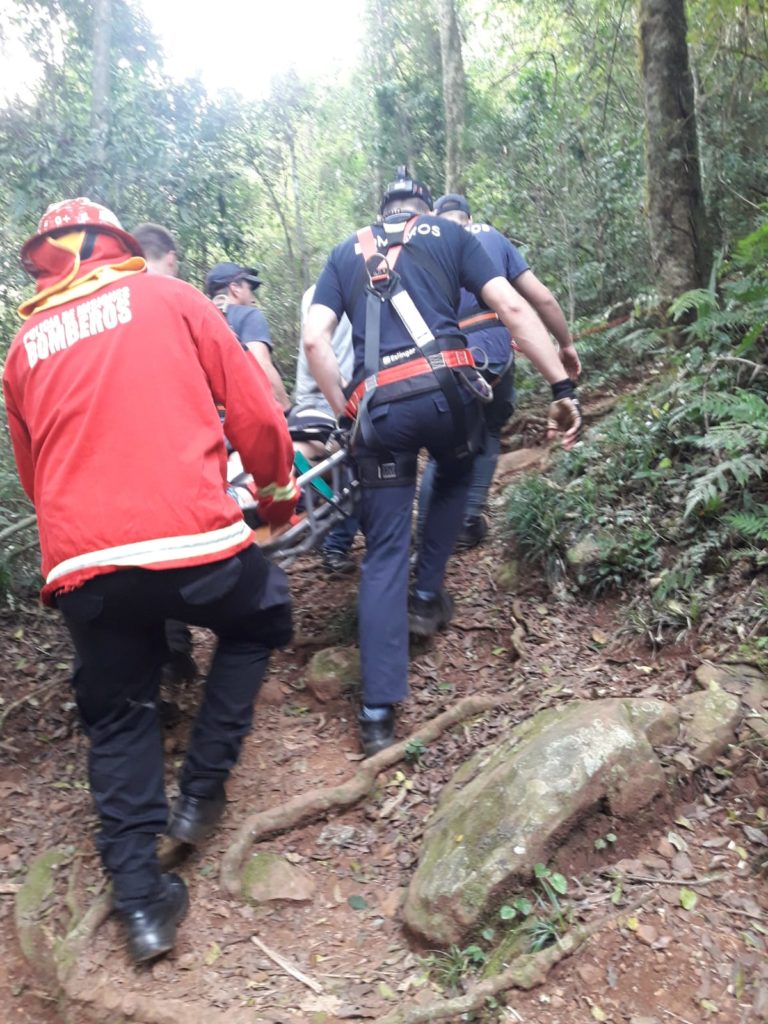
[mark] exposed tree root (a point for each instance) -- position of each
(32, 695)
(525, 972)
(108, 1003)
(17, 527)
(318, 801)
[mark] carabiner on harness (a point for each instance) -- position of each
(382, 278)
(481, 364)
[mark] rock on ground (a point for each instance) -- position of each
(332, 671)
(710, 720)
(268, 876)
(506, 807)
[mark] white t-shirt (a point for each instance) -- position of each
(306, 392)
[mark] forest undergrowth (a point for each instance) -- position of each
(665, 500)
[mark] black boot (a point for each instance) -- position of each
(426, 615)
(193, 818)
(376, 733)
(152, 928)
(337, 563)
(474, 530)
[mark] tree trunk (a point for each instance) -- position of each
(454, 94)
(299, 221)
(676, 214)
(97, 156)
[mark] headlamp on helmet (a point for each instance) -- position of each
(405, 187)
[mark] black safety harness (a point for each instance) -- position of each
(410, 371)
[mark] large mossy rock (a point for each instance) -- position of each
(506, 807)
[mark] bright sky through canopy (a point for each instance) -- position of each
(242, 45)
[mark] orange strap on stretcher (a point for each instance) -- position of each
(452, 358)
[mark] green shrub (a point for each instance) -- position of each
(671, 488)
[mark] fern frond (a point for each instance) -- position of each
(748, 408)
(713, 486)
(752, 525)
(698, 300)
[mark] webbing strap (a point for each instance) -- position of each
(418, 367)
(384, 286)
(301, 462)
(423, 260)
(375, 262)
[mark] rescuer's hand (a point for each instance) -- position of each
(564, 414)
(340, 436)
(277, 504)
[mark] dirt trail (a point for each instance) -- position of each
(666, 964)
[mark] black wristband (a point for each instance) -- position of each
(563, 389)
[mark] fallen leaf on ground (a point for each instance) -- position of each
(647, 934)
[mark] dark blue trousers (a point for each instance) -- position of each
(495, 415)
(422, 421)
(117, 624)
(342, 537)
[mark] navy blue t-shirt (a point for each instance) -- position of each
(249, 324)
(509, 263)
(459, 256)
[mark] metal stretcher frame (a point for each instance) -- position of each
(320, 514)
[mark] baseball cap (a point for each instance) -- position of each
(222, 274)
(452, 201)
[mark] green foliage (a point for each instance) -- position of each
(19, 553)
(711, 489)
(448, 968)
(415, 749)
(554, 148)
(539, 922)
(670, 489)
(601, 843)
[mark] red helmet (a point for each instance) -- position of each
(79, 213)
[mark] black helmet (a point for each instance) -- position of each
(405, 187)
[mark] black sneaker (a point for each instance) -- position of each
(338, 563)
(193, 818)
(378, 733)
(426, 615)
(152, 928)
(474, 530)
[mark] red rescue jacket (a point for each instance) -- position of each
(111, 401)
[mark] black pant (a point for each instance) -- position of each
(117, 625)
